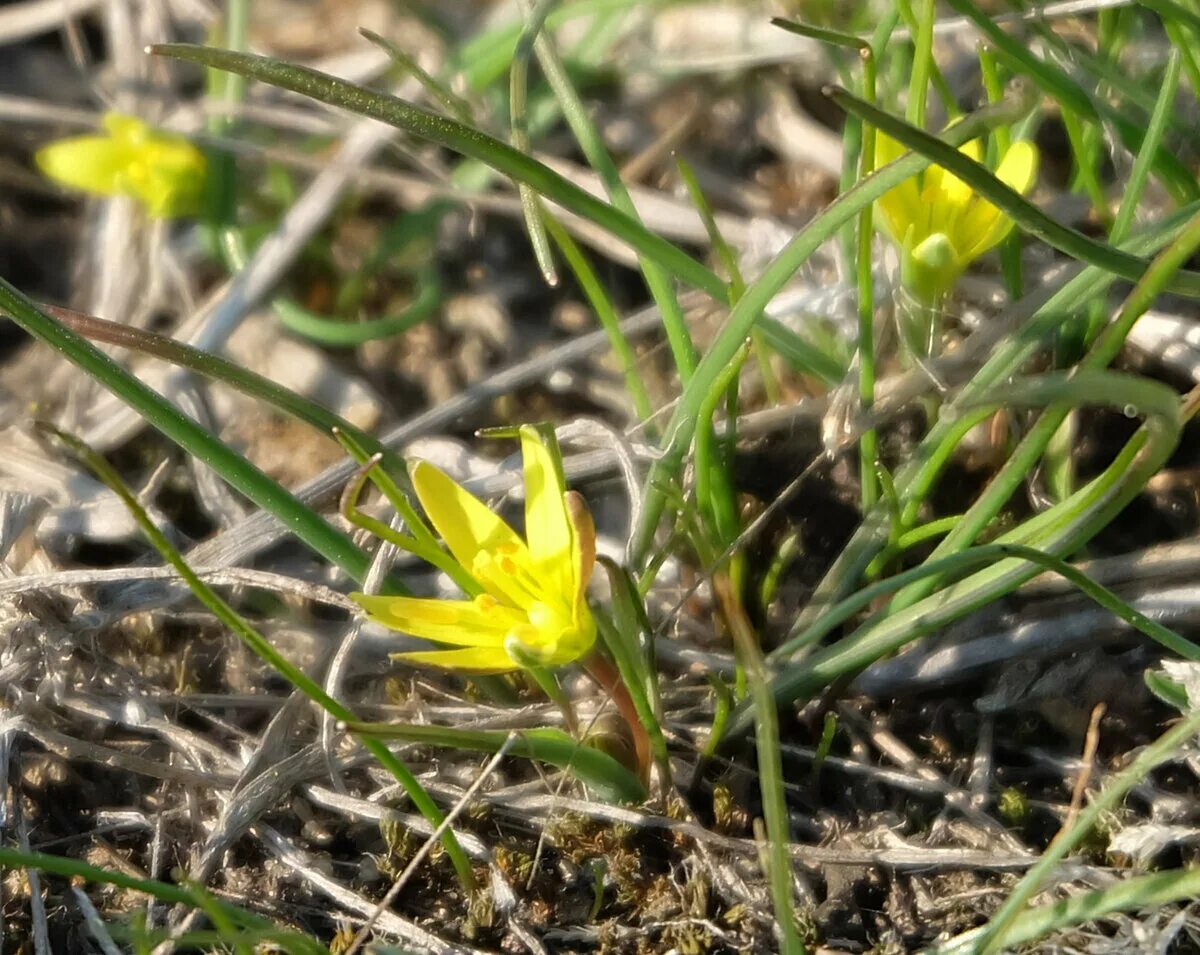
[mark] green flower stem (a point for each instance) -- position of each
(462, 139)
(770, 766)
(269, 655)
(606, 314)
(195, 440)
(655, 272)
(1135, 186)
(918, 87)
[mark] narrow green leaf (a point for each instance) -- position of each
(460, 138)
(161, 414)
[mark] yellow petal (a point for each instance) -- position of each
(482, 622)
(984, 226)
(1018, 168)
(899, 207)
(547, 525)
(464, 522)
(93, 164)
(955, 192)
(479, 660)
(165, 173)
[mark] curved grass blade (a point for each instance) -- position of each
(460, 138)
(192, 896)
(195, 440)
(1167, 746)
(1040, 316)
(230, 373)
(1028, 216)
(266, 651)
(595, 769)
(1038, 437)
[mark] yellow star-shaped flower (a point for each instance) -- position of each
(532, 610)
(165, 173)
(939, 223)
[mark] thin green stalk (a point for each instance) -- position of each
(770, 765)
(623, 638)
(192, 896)
(450, 101)
(868, 446)
(462, 139)
(183, 431)
(656, 275)
(1139, 893)
(1085, 164)
(266, 652)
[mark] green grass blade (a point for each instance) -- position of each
(1059, 531)
(178, 427)
(1135, 186)
(1143, 893)
(603, 774)
(1073, 97)
(1033, 445)
(462, 139)
(217, 368)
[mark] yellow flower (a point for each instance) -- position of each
(939, 223)
(164, 172)
(532, 609)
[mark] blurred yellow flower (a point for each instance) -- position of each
(532, 610)
(939, 223)
(164, 172)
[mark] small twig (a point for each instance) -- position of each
(1086, 768)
